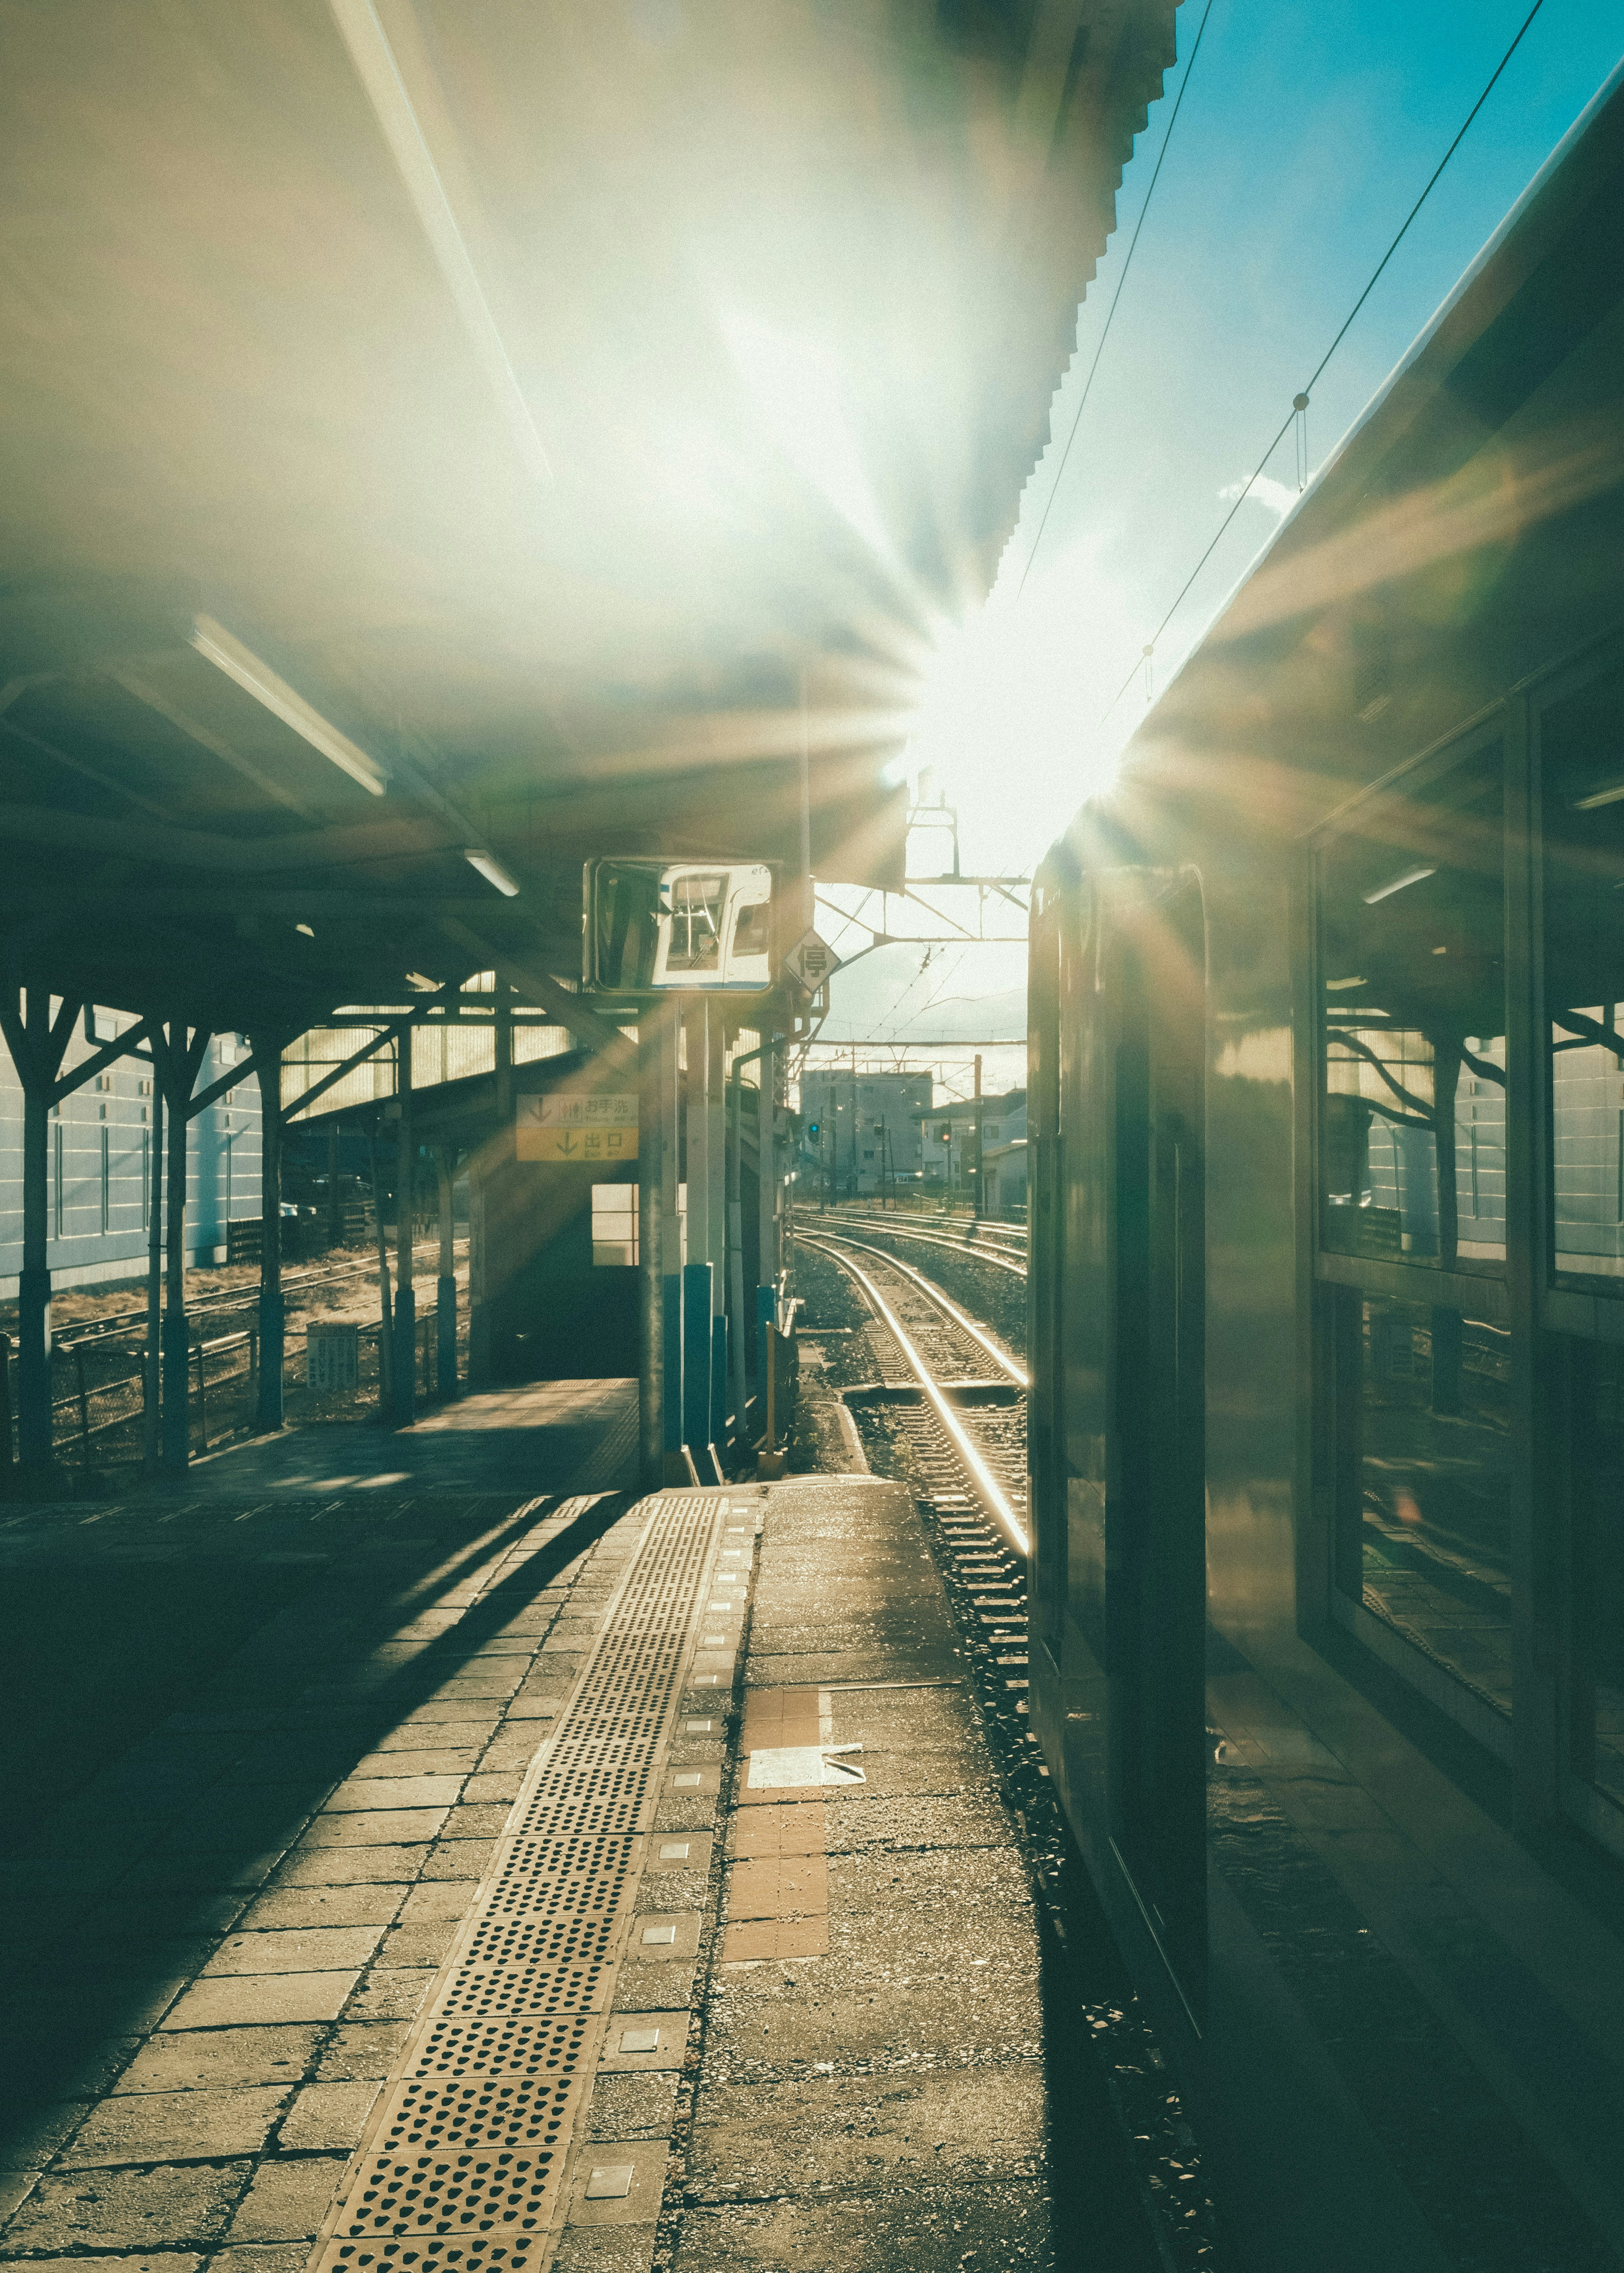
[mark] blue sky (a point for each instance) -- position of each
(1307, 133)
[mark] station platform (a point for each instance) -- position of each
(574, 1883)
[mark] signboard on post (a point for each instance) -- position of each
(810, 961)
(581, 1128)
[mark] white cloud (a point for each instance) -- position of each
(1275, 497)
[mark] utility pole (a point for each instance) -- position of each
(975, 1193)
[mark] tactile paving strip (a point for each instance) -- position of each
(461, 2164)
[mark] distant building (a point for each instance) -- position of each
(99, 1164)
(867, 1127)
(948, 1143)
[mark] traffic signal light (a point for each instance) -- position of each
(814, 1130)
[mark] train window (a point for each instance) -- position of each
(1595, 1698)
(1581, 740)
(1412, 1132)
(1425, 1498)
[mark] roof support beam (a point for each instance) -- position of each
(538, 986)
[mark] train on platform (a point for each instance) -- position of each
(1326, 1141)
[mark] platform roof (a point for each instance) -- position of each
(471, 425)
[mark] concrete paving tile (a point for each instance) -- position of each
(241, 2000)
(438, 1900)
(781, 2018)
(15, 2187)
(170, 2126)
(633, 2106)
(494, 1788)
(176, 1871)
(477, 1822)
(653, 1989)
(459, 1858)
(326, 2118)
(32, 2131)
(390, 1995)
(997, 2228)
(393, 1826)
(162, 2208)
(67, 2065)
(756, 2139)
(605, 2249)
(338, 1866)
(139, 2260)
(361, 2052)
(221, 2059)
(422, 1944)
(952, 1821)
(373, 1904)
(366, 1794)
(262, 2257)
(287, 2200)
(294, 1949)
(452, 1760)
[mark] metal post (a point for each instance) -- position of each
(385, 1330)
(5, 1401)
(716, 1212)
(203, 1417)
(152, 1425)
(696, 1036)
(650, 1250)
(34, 1294)
(270, 1408)
(975, 1188)
(445, 1289)
(696, 1356)
(505, 1055)
(84, 1402)
(740, 1319)
(671, 1237)
(335, 1211)
(404, 1300)
(177, 1350)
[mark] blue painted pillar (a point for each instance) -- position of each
(766, 1312)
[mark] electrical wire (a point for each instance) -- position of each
(1319, 367)
(1060, 471)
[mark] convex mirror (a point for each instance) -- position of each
(650, 926)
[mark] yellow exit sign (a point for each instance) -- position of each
(587, 1128)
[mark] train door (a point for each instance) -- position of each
(1150, 1000)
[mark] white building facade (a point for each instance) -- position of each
(99, 1164)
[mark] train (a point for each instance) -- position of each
(1326, 1157)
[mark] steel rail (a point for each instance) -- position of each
(954, 1246)
(223, 1298)
(986, 1484)
(995, 1350)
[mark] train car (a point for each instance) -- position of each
(1326, 1148)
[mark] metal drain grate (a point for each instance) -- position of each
(461, 2167)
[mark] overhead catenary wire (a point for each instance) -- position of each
(1299, 403)
(1060, 471)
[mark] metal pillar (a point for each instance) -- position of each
(696, 1037)
(152, 1429)
(405, 1382)
(976, 1200)
(696, 1354)
(270, 1413)
(445, 1288)
(716, 1222)
(335, 1211)
(671, 1239)
(33, 1304)
(651, 1248)
(385, 1308)
(176, 1342)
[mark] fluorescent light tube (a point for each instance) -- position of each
(1398, 885)
(1609, 796)
(214, 641)
(491, 870)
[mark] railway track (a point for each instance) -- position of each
(115, 1324)
(1004, 1254)
(965, 1439)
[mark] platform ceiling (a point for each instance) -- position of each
(545, 394)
